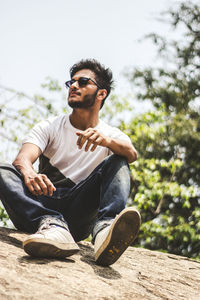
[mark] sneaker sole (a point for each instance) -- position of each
(122, 233)
(49, 249)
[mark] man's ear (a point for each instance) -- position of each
(102, 93)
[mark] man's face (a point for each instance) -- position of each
(83, 97)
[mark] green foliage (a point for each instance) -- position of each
(115, 109)
(3, 216)
(52, 85)
(169, 208)
(19, 112)
(166, 177)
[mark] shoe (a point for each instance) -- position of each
(113, 240)
(50, 241)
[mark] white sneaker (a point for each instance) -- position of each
(50, 240)
(113, 240)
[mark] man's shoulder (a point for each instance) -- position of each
(54, 121)
(105, 126)
(58, 119)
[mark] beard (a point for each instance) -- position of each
(88, 101)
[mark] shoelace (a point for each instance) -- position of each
(44, 226)
(48, 223)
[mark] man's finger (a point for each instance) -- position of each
(37, 187)
(31, 189)
(97, 143)
(83, 138)
(50, 187)
(91, 140)
(30, 186)
(79, 137)
(46, 185)
(40, 184)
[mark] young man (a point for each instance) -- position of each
(83, 182)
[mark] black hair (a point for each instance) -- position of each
(103, 75)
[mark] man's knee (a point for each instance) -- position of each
(118, 162)
(117, 159)
(7, 168)
(9, 179)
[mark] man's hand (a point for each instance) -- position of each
(90, 137)
(39, 184)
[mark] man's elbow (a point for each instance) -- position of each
(132, 156)
(14, 162)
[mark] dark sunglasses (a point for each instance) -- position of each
(82, 81)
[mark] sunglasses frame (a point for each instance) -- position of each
(71, 81)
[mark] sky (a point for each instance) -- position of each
(41, 38)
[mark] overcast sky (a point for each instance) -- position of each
(41, 38)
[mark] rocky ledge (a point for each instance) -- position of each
(138, 274)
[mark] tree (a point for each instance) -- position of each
(166, 177)
(19, 112)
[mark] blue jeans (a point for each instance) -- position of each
(99, 197)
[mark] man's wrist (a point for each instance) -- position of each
(25, 171)
(108, 142)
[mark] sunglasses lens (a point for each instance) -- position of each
(83, 81)
(68, 83)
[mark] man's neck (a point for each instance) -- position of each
(83, 119)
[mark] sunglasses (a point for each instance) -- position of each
(82, 81)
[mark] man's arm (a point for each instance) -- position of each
(92, 137)
(37, 184)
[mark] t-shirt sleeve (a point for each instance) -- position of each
(114, 133)
(117, 134)
(39, 135)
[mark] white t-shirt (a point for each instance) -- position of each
(61, 160)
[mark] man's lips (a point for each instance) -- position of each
(74, 94)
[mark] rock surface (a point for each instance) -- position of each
(138, 274)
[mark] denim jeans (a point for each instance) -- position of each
(95, 200)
